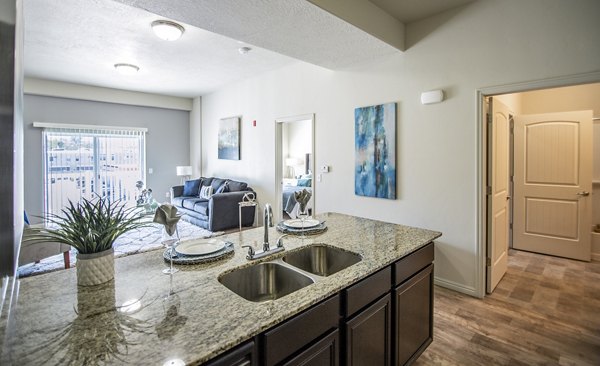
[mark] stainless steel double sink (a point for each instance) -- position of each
(297, 269)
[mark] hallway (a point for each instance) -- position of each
(545, 311)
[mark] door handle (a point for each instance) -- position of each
(583, 194)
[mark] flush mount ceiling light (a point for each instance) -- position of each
(126, 69)
(244, 50)
(167, 30)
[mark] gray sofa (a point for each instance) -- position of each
(220, 211)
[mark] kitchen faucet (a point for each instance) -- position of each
(267, 222)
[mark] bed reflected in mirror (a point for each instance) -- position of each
(295, 148)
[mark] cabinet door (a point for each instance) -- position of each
(368, 335)
(293, 335)
(243, 355)
(414, 316)
(323, 353)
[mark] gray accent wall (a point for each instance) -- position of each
(167, 139)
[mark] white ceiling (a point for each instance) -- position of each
(79, 41)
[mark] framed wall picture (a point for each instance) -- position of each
(375, 151)
(229, 138)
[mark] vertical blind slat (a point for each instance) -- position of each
(85, 162)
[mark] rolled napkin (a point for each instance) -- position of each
(302, 197)
(166, 214)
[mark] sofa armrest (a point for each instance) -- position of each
(176, 191)
(223, 211)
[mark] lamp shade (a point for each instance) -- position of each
(292, 161)
(184, 171)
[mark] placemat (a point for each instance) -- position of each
(321, 228)
(197, 259)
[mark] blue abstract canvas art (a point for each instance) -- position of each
(229, 138)
(375, 156)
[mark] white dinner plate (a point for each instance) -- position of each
(297, 223)
(199, 246)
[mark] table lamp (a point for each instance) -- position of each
(184, 172)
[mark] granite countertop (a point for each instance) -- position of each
(58, 323)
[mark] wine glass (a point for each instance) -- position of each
(303, 215)
(170, 241)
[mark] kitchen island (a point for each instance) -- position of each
(131, 320)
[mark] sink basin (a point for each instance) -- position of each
(264, 281)
(322, 260)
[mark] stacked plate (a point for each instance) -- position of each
(194, 251)
(296, 226)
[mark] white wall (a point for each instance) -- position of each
(53, 88)
(167, 139)
(512, 101)
(485, 43)
(299, 142)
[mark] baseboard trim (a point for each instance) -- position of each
(455, 286)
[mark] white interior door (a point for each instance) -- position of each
(498, 197)
(552, 184)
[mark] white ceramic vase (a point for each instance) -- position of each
(95, 268)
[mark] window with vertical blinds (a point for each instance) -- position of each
(91, 161)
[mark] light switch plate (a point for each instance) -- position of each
(324, 169)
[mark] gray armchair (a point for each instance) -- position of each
(35, 251)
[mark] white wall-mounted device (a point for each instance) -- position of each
(431, 97)
(324, 169)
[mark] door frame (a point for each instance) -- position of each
(277, 215)
(482, 209)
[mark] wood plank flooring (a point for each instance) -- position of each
(545, 311)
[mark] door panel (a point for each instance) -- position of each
(498, 180)
(552, 153)
(552, 218)
(553, 178)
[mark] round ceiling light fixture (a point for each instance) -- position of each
(167, 30)
(127, 69)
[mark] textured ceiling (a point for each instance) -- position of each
(295, 28)
(80, 41)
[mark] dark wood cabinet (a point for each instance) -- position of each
(414, 316)
(384, 319)
(325, 352)
(244, 355)
(368, 335)
(287, 339)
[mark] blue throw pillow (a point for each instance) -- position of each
(304, 182)
(190, 187)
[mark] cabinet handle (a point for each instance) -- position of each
(583, 194)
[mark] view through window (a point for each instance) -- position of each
(92, 163)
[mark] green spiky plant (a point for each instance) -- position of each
(90, 226)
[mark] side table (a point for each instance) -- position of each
(247, 204)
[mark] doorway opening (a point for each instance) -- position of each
(510, 213)
(294, 164)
